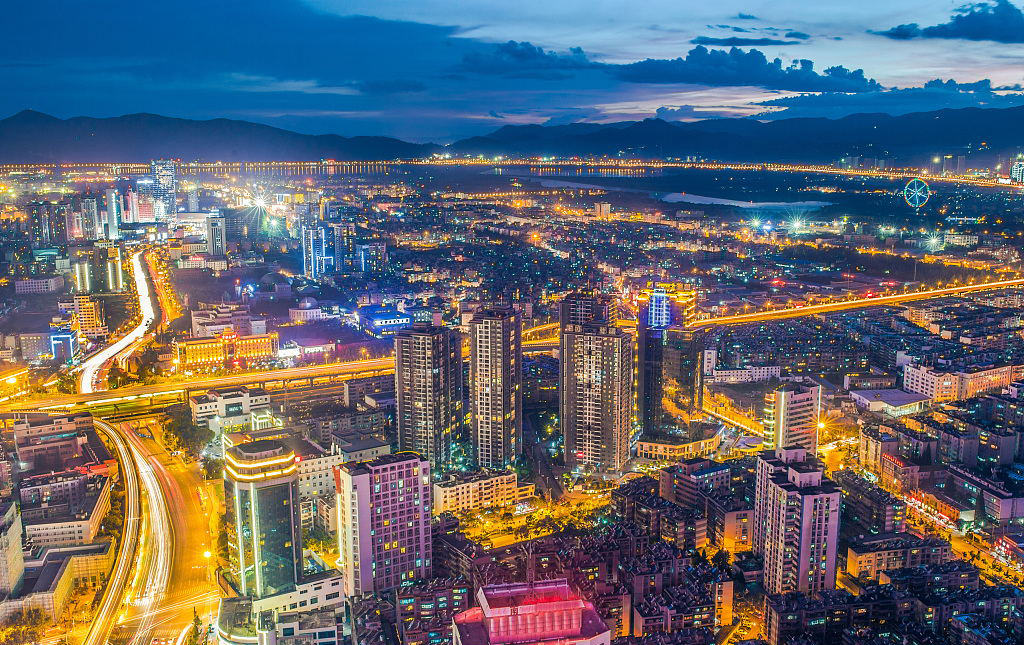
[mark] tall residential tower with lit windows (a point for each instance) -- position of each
(495, 386)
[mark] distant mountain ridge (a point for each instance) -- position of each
(909, 139)
(34, 137)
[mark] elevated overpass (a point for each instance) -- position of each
(539, 339)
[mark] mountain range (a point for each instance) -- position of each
(35, 137)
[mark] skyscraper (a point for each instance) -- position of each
(12, 560)
(596, 395)
(668, 351)
(791, 417)
(796, 522)
(113, 211)
(317, 259)
(495, 386)
(383, 510)
(261, 492)
(428, 391)
(164, 187)
(344, 245)
(216, 236)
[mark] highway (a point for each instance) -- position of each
(96, 364)
(114, 594)
(858, 303)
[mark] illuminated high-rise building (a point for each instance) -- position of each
(216, 236)
(796, 522)
(792, 413)
(317, 258)
(669, 352)
(384, 508)
(92, 228)
(262, 498)
(48, 224)
(581, 308)
(428, 392)
(495, 386)
(97, 268)
(596, 396)
(113, 211)
(164, 187)
(1017, 172)
(345, 237)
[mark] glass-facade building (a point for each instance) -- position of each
(261, 482)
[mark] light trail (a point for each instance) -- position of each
(124, 565)
(93, 365)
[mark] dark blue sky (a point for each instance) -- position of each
(439, 70)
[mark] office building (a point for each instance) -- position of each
(384, 536)
(216, 236)
(89, 214)
(164, 187)
(596, 396)
(669, 353)
(428, 391)
(530, 613)
(262, 499)
(317, 258)
(796, 522)
(344, 235)
(89, 315)
(112, 221)
(791, 416)
(495, 386)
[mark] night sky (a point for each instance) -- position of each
(439, 70)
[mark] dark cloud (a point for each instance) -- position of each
(934, 95)
(799, 35)
(734, 67)
(733, 41)
(524, 60)
(999, 21)
(745, 16)
(677, 113)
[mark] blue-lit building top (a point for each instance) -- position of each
(383, 321)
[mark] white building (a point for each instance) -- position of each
(941, 386)
(229, 409)
(791, 416)
(796, 522)
(485, 489)
(39, 285)
(751, 374)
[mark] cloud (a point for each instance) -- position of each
(395, 86)
(799, 35)
(733, 41)
(721, 68)
(933, 95)
(524, 60)
(677, 113)
(999, 21)
(745, 16)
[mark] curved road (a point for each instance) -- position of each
(98, 362)
(113, 595)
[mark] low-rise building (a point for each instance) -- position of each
(867, 557)
(70, 523)
(228, 350)
(229, 409)
(482, 489)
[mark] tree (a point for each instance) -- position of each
(22, 627)
(721, 559)
(182, 433)
(213, 468)
(196, 631)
